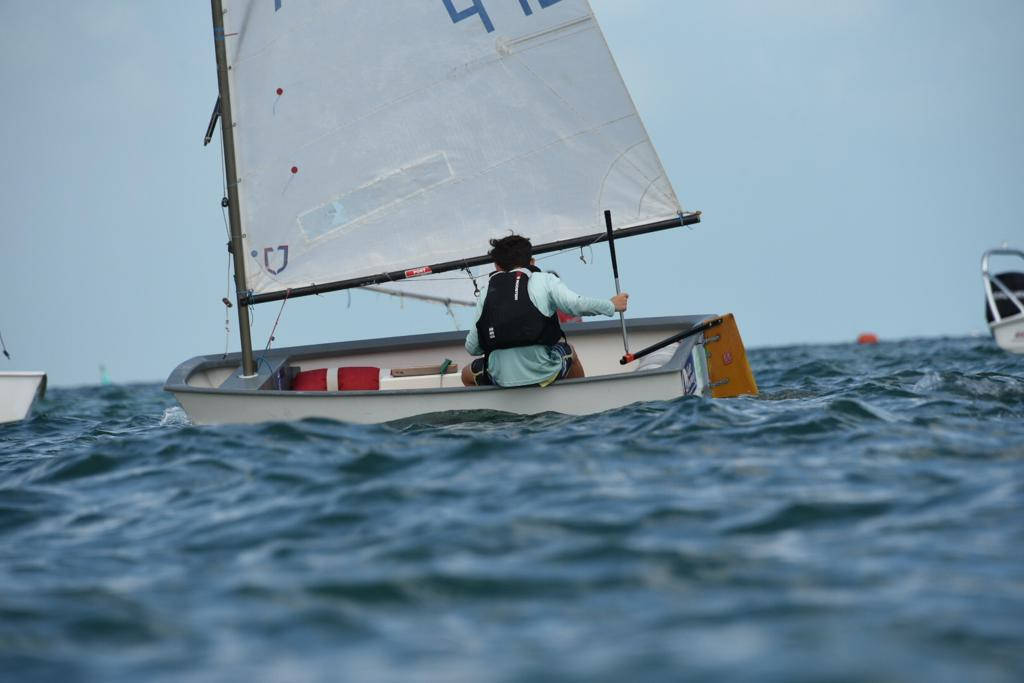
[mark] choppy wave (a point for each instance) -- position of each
(860, 520)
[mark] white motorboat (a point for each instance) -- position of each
(371, 148)
(19, 392)
(1004, 301)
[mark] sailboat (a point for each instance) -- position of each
(1004, 301)
(382, 146)
(19, 390)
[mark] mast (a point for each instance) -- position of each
(234, 215)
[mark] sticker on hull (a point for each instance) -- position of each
(689, 377)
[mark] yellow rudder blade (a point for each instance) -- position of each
(727, 361)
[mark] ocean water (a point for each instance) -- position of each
(861, 520)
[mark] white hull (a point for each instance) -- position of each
(570, 397)
(210, 391)
(18, 393)
(1009, 334)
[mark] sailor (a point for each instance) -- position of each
(516, 324)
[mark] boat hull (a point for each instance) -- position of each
(1009, 334)
(211, 392)
(572, 397)
(18, 393)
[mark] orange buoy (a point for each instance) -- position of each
(867, 338)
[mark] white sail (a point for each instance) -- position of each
(381, 136)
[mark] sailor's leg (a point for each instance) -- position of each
(475, 374)
(576, 369)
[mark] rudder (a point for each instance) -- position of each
(728, 367)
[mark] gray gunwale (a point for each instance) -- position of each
(177, 381)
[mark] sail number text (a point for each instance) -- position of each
(476, 8)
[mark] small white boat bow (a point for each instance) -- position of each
(18, 393)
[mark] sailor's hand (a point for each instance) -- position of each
(620, 301)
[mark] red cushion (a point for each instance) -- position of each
(359, 379)
(310, 380)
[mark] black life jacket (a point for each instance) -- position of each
(509, 319)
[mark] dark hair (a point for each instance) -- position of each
(514, 251)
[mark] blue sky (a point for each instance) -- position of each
(853, 159)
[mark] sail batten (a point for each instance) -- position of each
(371, 136)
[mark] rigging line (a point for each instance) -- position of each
(224, 213)
(476, 287)
(4, 346)
(455, 321)
(223, 171)
(553, 254)
(224, 189)
(227, 310)
(279, 312)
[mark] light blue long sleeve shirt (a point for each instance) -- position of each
(525, 365)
